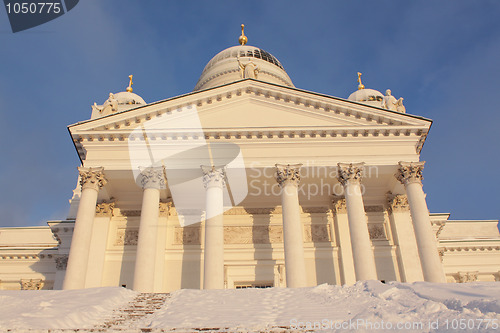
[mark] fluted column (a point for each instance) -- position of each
(91, 180)
(214, 180)
(410, 175)
(151, 180)
(288, 178)
(349, 175)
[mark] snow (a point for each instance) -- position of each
(43, 309)
(326, 308)
(363, 307)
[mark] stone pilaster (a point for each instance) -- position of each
(344, 239)
(404, 237)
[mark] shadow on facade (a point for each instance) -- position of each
(263, 236)
(320, 234)
(190, 239)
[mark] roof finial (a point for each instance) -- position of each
(360, 86)
(129, 88)
(243, 39)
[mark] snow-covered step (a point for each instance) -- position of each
(124, 319)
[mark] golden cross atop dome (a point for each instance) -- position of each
(360, 86)
(129, 88)
(243, 39)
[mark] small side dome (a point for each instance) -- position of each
(118, 102)
(366, 96)
(128, 98)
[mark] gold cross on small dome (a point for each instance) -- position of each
(129, 88)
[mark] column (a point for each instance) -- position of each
(91, 180)
(288, 178)
(214, 180)
(349, 175)
(151, 180)
(410, 175)
(404, 238)
(343, 236)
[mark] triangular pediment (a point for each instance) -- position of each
(259, 112)
(252, 104)
(251, 110)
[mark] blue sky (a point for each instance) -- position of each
(443, 57)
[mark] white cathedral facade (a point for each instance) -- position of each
(248, 182)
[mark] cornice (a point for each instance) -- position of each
(471, 248)
(16, 256)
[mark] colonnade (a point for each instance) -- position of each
(288, 178)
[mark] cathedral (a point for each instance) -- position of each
(248, 182)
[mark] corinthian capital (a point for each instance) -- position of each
(339, 205)
(349, 172)
(92, 178)
(410, 172)
(288, 173)
(104, 208)
(213, 176)
(152, 177)
(397, 202)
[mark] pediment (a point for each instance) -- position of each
(251, 104)
(261, 113)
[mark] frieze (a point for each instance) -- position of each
(256, 234)
(376, 231)
(252, 211)
(464, 277)
(127, 237)
(316, 210)
(31, 284)
(374, 209)
(317, 233)
(187, 236)
(131, 212)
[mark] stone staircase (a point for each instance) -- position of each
(127, 319)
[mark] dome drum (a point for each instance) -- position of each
(240, 62)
